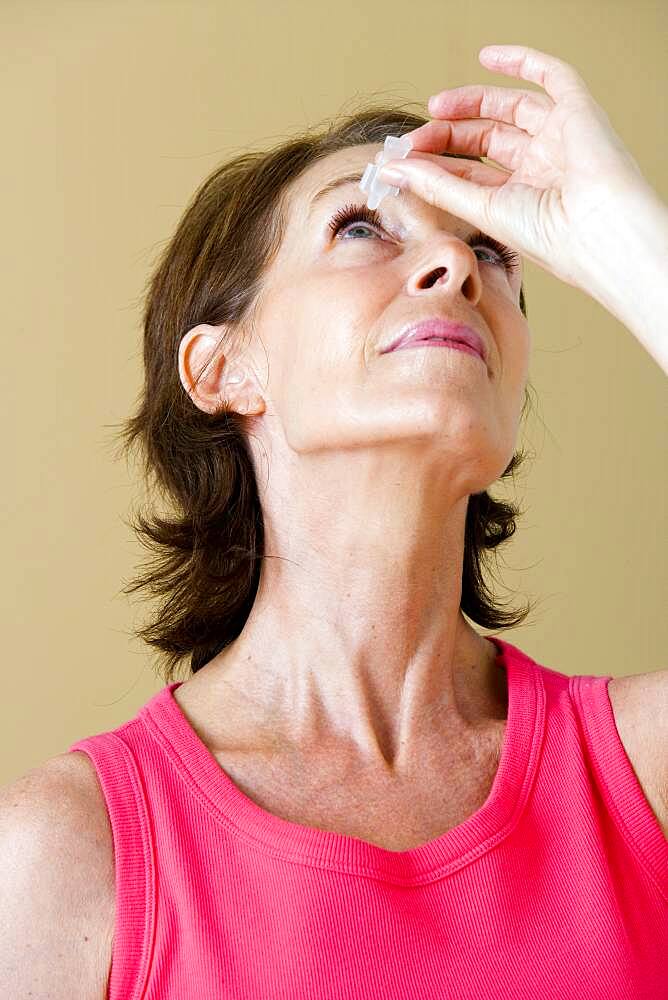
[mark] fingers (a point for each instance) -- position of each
(554, 75)
(421, 167)
(471, 170)
(503, 143)
(525, 109)
(448, 189)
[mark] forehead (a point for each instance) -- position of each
(334, 170)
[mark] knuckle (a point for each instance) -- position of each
(430, 191)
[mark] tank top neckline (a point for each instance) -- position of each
(272, 835)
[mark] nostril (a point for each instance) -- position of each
(435, 276)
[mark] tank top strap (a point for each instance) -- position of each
(135, 895)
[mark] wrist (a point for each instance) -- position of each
(625, 266)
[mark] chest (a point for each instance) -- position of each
(342, 799)
(329, 794)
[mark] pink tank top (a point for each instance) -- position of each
(557, 887)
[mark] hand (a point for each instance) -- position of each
(567, 169)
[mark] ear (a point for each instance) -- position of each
(210, 379)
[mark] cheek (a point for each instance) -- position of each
(518, 355)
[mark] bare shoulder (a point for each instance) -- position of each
(58, 860)
(62, 797)
(640, 707)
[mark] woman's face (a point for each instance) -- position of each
(332, 301)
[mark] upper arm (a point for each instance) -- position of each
(54, 881)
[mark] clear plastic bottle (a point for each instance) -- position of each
(395, 149)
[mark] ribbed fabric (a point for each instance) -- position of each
(557, 887)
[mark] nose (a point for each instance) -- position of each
(452, 264)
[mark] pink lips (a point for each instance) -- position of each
(439, 329)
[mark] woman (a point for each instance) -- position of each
(355, 794)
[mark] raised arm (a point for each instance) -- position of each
(628, 267)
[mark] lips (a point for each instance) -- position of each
(440, 329)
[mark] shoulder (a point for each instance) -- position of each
(640, 707)
(57, 845)
(59, 797)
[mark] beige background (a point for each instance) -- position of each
(112, 114)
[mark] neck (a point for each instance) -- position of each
(356, 640)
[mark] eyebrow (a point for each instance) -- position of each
(337, 182)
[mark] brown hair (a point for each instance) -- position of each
(208, 546)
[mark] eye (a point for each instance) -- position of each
(354, 213)
(510, 259)
(369, 217)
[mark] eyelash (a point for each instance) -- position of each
(361, 213)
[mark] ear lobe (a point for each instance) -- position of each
(250, 404)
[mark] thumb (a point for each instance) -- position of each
(446, 188)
